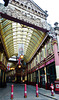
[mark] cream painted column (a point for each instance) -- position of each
(45, 78)
(35, 61)
(45, 50)
(44, 53)
(57, 31)
(58, 41)
(31, 77)
(4, 59)
(15, 78)
(39, 77)
(0, 56)
(25, 78)
(38, 58)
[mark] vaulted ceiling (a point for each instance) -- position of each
(14, 34)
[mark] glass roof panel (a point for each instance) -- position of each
(16, 33)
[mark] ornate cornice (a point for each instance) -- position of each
(16, 10)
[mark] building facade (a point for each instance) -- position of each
(24, 22)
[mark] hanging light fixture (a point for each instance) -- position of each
(21, 56)
(12, 68)
(19, 66)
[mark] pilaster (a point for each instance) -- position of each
(45, 78)
(56, 58)
(39, 77)
(55, 49)
(31, 77)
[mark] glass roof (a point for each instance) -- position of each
(14, 34)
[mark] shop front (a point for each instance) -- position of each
(2, 78)
(51, 74)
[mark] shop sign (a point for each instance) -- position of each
(57, 85)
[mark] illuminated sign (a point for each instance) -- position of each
(57, 85)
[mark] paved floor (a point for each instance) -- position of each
(5, 93)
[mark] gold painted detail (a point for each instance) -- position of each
(54, 42)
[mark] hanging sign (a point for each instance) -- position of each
(8, 66)
(20, 50)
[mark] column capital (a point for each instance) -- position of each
(54, 41)
(52, 34)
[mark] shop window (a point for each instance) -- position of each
(30, 65)
(41, 55)
(48, 49)
(51, 48)
(36, 59)
(33, 63)
(45, 51)
(51, 74)
(34, 76)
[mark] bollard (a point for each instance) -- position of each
(52, 89)
(37, 90)
(25, 92)
(12, 91)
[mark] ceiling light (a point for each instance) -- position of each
(12, 68)
(19, 66)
